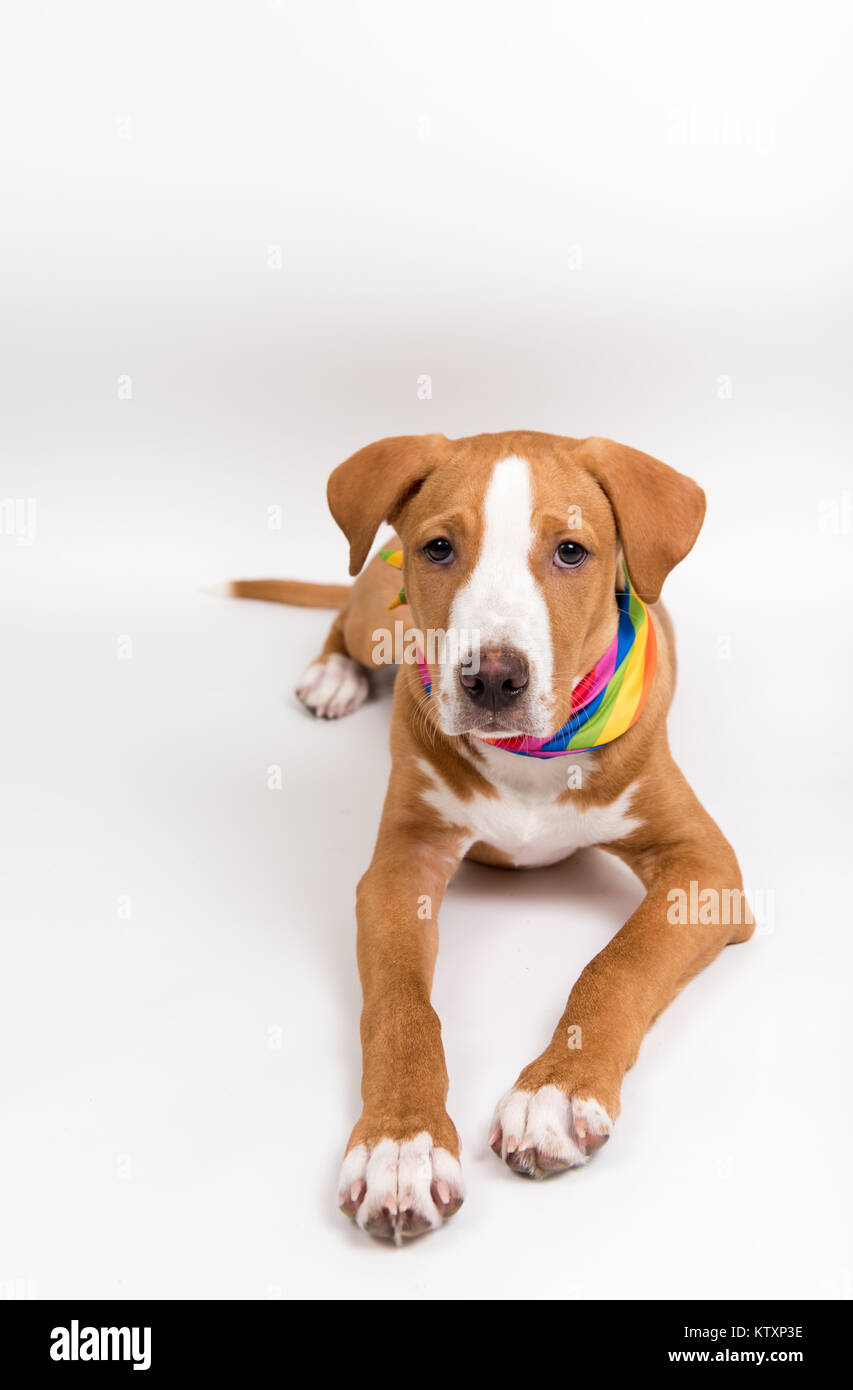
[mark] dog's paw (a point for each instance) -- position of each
(548, 1130)
(333, 686)
(398, 1190)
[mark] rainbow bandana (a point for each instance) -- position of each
(609, 699)
(395, 558)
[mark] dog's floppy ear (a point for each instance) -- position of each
(658, 511)
(372, 486)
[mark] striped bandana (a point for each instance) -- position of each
(609, 699)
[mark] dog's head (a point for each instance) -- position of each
(512, 545)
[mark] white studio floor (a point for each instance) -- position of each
(179, 1083)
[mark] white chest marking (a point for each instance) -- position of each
(526, 822)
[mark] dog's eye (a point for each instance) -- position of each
(438, 550)
(569, 555)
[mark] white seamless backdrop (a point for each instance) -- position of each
(238, 242)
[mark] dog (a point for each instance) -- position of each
(542, 731)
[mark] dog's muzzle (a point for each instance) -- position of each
(502, 677)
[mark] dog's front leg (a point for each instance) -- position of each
(563, 1105)
(401, 1174)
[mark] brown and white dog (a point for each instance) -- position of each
(483, 527)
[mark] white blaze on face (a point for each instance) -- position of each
(501, 604)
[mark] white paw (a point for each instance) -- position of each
(334, 686)
(546, 1131)
(399, 1190)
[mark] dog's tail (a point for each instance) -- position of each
(293, 591)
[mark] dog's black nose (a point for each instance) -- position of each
(502, 676)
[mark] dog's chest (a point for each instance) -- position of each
(532, 820)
